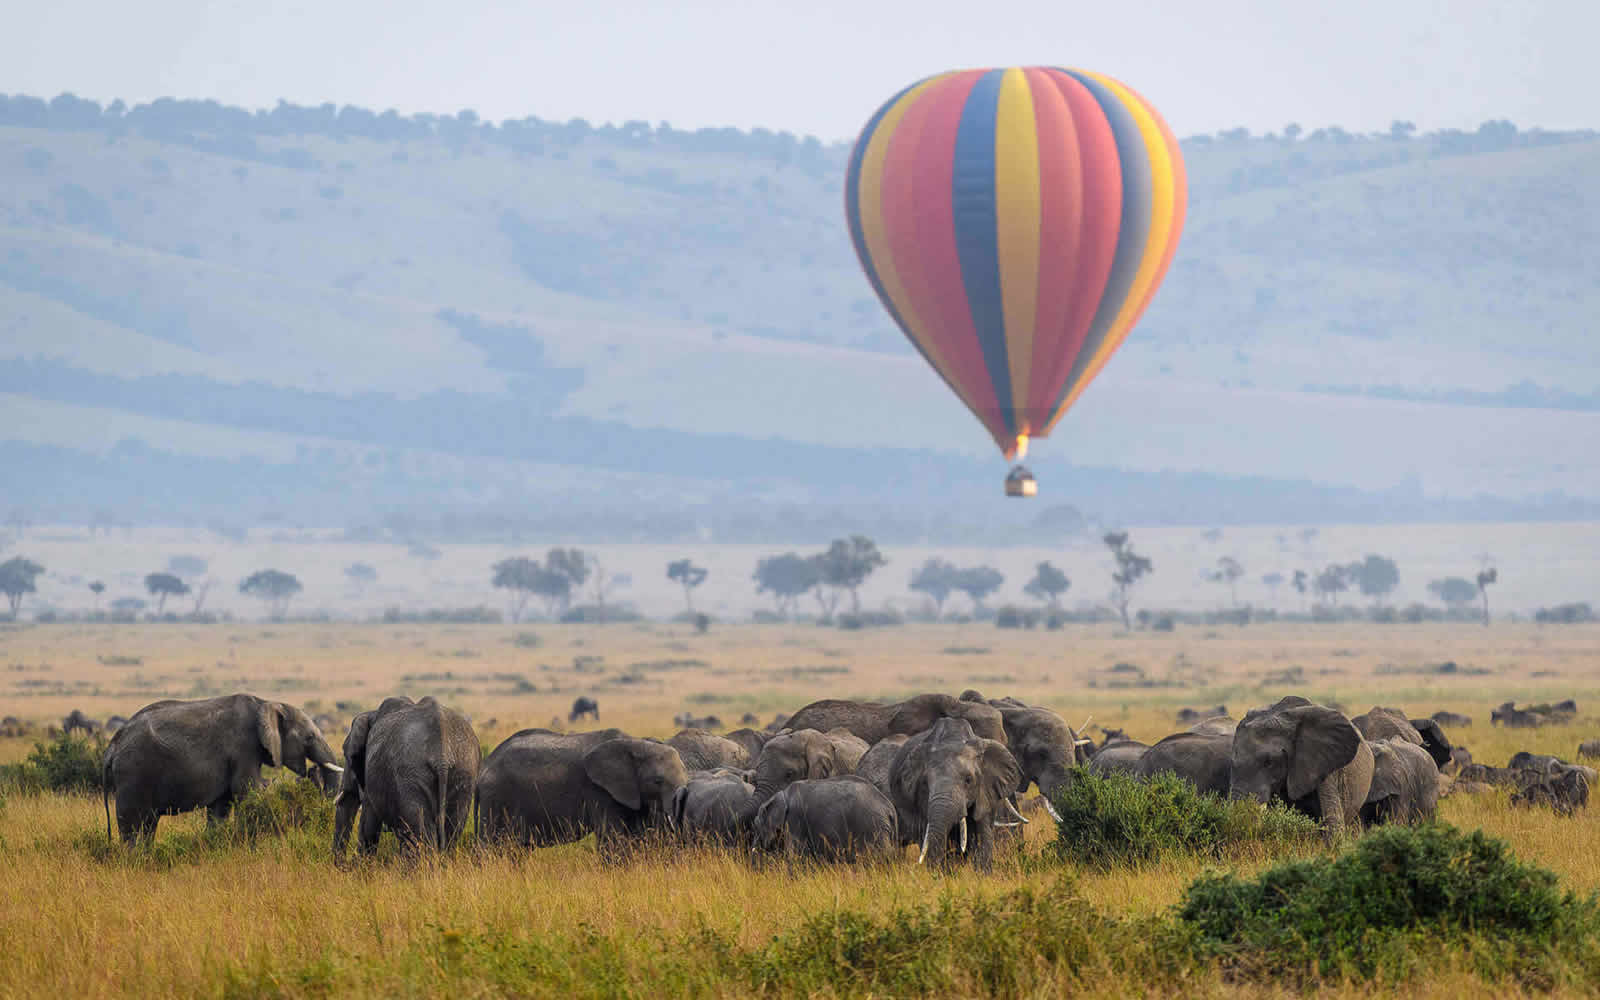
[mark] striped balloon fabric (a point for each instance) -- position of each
(1015, 223)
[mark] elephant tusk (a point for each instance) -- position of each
(927, 832)
(1013, 810)
(963, 835)
(1086, 722)
(335, 768)
(1082, 743)
(1008, 825)
(1051, 809)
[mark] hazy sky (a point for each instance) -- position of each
(821, 67)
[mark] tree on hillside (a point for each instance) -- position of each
(1486, 576)
(978, 582)
(1302, 583)
(1130, 567)
(272, 586)
(1048, 584)
(847, 564)
(162, 586)
(936, 578)
(572, 564)
(601, 580)
(688, 576)
(787, 578)
(1272, 581)
(1228, 571)
(1376, 576)
(97, 588)
(17, 576)
(1455, 592)
(526, 578)
(1331, 582)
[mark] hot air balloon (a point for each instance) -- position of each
(1015, 223)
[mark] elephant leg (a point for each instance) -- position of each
(1331, 796)
(135, 825)
(983, 851)
(370, 829)
(218, 811)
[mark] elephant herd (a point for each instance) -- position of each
(843, 780)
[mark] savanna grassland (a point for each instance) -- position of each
(270, 915)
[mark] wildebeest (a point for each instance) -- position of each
(1189, 716)
(584, 705)
(76, 720)
(1565, 792)
(1454, 720)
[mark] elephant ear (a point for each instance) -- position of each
(1324, 741)
(1000, 769)
(355, 747)
(819, 758)
(269, 731)
(611, 766)
(1434, 740)
(1388, 772)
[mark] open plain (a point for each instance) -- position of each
(276, 917)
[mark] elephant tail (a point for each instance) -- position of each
(444, 787)
(105, 791)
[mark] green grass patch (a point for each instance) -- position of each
(65, 764)
(1109, 820)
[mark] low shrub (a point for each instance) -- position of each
(66, 764)
(1011, 616)
(594, 614)
(1372, 911)
(479, 615)
(1113, 819)
(1565, 614)
(852, 621)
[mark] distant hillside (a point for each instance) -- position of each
(1346, 315)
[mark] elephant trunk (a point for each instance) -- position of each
(1055, 778)
(344, 815)
(945, 812)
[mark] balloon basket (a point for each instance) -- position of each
(1020, 483)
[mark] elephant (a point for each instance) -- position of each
(1203, 760)
(539, 788)
(76, 720)
(174, 756)
(583, 706)
(1216, 725)
(1046, 748)
(113, 724)
(1391, 723)
(749, 719)
(702, 751)
(1589, 748)
(779, 722)
(874, 765)
(1405, 783)
(1460, 757)
(1455, 720)
(799, 754)
(947, 779)
(410, 767)
(841, 819)
(751, 739)
(1549, 764)
(710, 808)
(1118, 757)
(872, 721)
(1307, 755)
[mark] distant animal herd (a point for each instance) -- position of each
(837, 780)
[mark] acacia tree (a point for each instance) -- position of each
(1228, 571)
(847, 564)
(936, 578)
(1331, 582)
(97, 588)
(787, 578)
(1377, 577)
(273, 586)
(1048, 584)
(1130, 567)
(1455, 592)
(1301, 583)
(1486, 576)
(978, 582)
(688, 576)
(17, 576)
(1273, 581)
(162, 586)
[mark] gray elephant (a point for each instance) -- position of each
(1217, 725)
(712, 806)
(113, 724)
(1046, 748)
(751, 739)
(1391, 723)
(842, 819)
(875, 764)
(539, 788)
(1307, 755)
(950, 785)
(1454, 720)
(872, 721)
(702, 751)
(174, 756)
(1204, 760)
(1118, 757)
(410, 767)
(1405, 783)
(800, 754)
(1565, 792)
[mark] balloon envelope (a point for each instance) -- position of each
(1015, 223)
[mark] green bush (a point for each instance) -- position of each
(280, 808)
(1397, 895)
(1113, 819)
(67, 764)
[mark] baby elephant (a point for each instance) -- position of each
(829, 819)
